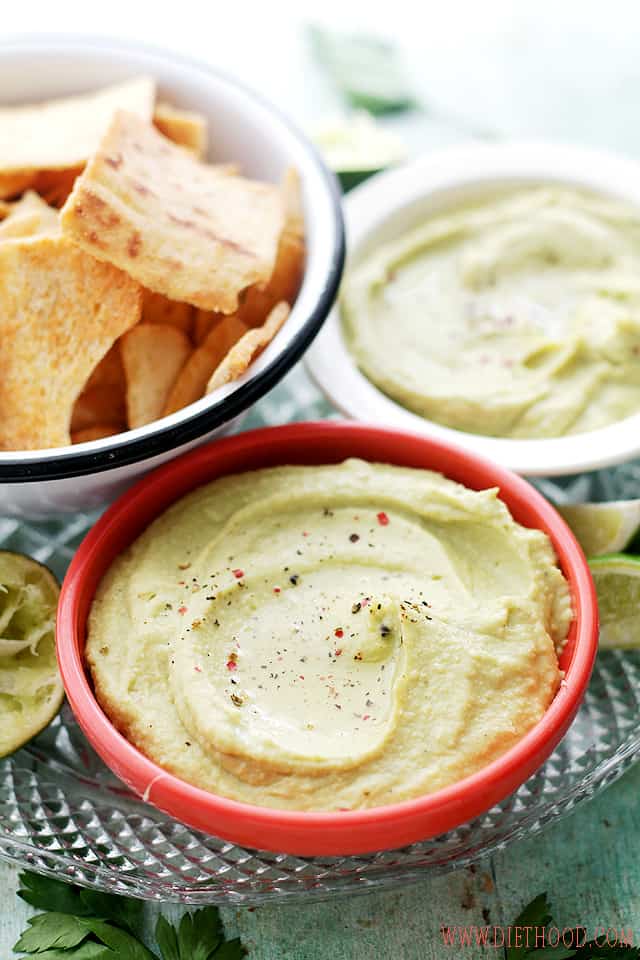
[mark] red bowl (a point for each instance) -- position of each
(309, 833)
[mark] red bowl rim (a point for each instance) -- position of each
(309, 832)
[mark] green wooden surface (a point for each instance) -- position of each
(532, 69)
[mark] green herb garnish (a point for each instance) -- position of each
(80, 924)
(537, 916)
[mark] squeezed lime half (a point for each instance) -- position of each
(617, 580)
(31, 690)
(603, 527)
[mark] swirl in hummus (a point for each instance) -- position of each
(515, 317)
(329, 637)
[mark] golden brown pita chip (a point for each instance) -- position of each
(158, 309)
(181, 228)
(248, 347)
(204, 321)
(64, 133)
(100, 403)
(292, 194)
(184, 127)
(152, 355)
(12, 184)
(109, 372)
(60, 311)
(192, 379)
(257, 302)
(28, 216)
(97, 432)
(54, 186)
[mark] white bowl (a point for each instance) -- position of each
(393, 202)
(242, 128)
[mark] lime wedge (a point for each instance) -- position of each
(603, 527)
(31, 690)
(617, 580)
(355, 147)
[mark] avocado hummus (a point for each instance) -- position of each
(515, 317)
(329, 637)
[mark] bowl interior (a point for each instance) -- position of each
(328, 833)
(242, 128)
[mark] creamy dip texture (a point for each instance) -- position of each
(516, 317)
(329, 637)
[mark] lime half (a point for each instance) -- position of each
(617, 580)
(31, 690)
(603, 527)
(355, 147)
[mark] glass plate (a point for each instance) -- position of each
(62, 812)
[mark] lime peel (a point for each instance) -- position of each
(603, 528)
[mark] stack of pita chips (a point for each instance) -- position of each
(134, 277)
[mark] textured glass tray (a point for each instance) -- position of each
(62, 812)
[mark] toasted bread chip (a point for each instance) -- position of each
(60, 311)
(257, 302)
(184, 127)
(204, 321)
(292, 194)
(12, 184)
(194, 376)
(158, 309)
(247, 348)
(64, 133)
(109, 372)
(54, 186)
(152, 355)
(181, 228)
(97, 432)
(101, 403)
(28, 216)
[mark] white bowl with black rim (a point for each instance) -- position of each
(243, 128)
(391, 203)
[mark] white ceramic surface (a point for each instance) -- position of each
(391, 203)
(242, 128)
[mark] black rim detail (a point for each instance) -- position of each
(60, 466)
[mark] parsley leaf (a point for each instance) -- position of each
(124, 911)
(125, 945)
(89, 950)
(167, 940)
(89, 925)
(538, 914)
(49, 930)
(230, 950)
(46, 893)
(198, 937)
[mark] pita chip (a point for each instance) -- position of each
(98, 432)
(248, 347)
(158, 309)
(152, 355)
(179, 227)
(12, 184)
(28, 216)
(60, 312)
(184, 127)
(63, 133)
(192, 380)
